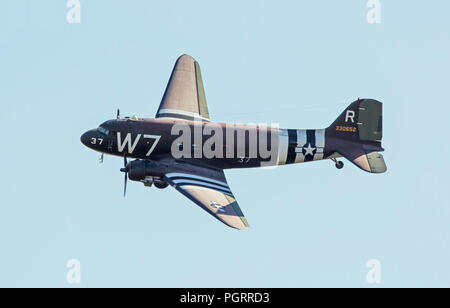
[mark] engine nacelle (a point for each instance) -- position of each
(147, 172)
(137, 170)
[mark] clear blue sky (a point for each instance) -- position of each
(294, 63)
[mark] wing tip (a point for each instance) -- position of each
(242, 225)
(186, 57)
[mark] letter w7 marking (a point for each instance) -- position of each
(132, 145)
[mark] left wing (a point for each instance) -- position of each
(208, 188)
(184, 97)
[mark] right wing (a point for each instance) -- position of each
(209, 189)
(184, 97)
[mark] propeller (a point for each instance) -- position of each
(118, 113)
(125, 169)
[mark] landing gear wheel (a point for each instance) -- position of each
(339, 164)
(160, 185)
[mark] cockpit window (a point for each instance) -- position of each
(103, 130)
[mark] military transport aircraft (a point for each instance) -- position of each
(180, 147)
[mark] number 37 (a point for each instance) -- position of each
(95, 140)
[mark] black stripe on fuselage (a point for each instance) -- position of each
(292, 135)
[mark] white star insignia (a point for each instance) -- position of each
(309, 149)
(218, 206)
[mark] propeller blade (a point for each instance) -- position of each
(125, 170)
(125, 185)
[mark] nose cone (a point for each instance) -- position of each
(87, 137)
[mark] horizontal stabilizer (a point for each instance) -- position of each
(372, 162)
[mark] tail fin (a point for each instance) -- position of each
(356, 134)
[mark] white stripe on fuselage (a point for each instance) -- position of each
(320, 138)
(283, 144)
(320, 144)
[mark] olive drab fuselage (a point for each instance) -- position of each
(242, 146)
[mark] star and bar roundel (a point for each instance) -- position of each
(305, 145)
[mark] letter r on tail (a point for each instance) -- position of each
(350, 115)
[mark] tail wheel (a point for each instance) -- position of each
(339, 164)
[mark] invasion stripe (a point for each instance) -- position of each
(180, 113)
(183, 178)
(283, 144)
(301, 137)
(311, 137)
(292, 135)
(199, 182)
(181, 116)
(320, 138)
(205, 186)
(195, 177)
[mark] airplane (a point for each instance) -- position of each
(183, 148)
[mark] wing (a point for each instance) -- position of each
(184, 97)
(208, 188)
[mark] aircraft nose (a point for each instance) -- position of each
(86, 137)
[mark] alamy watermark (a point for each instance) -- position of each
(373, 276)
(73, 275)
(74, 13)
(374, 14)
(244, 142)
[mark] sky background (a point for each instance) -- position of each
(296, 63)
